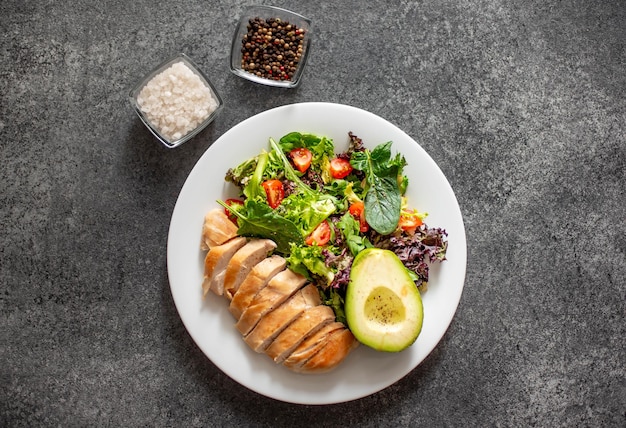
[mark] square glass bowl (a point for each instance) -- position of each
(176, 93)
(276, 49)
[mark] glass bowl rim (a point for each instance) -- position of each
(247, 14)
(179, 57)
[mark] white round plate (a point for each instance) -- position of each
(208, 321)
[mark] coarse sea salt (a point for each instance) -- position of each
(176, 101)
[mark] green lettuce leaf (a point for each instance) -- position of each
(253, 188)
(332, 297)
(259, 220)
(305, 207)
(310, 262)
(307, 210)
(349, 228)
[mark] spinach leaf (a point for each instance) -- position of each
(383, 200)
(259, 220)
(379, 158)
(360, 160)
(383, 203)
(297, 139)
(319, 146)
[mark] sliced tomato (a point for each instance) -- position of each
(357, 210)
(320, 236)
(340, 168)
(301, 158)
(409, 221)
(230, 202)
(274, 191)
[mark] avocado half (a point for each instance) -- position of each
(383, 306)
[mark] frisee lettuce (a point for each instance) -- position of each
(306, 207)
(309, 261)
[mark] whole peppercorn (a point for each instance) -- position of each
(272, 48)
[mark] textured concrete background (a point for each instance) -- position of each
(521, 103)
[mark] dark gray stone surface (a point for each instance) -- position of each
(521, 103)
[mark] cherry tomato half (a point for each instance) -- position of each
(409, 221)
(320, 236)
(340, 168)
(301, 158)
(274, 191)
(230, 202)
(357, 210)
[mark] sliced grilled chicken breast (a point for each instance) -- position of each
(338, 345)
(243, 261)
(277, 290)
(215, 264)
(310, 346)
(217, 229)
(277, 312)
(274, 322)
(309, 322)
(258, 278)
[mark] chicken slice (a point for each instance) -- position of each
(273, 322)
(217, 229)
(215, 264)
(338, 345)
(243, 261)
(258, 278)
(277, 290)
(311, 346)
(309, 322)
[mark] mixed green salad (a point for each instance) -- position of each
(322, 208)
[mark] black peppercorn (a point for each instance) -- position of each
(272, 48)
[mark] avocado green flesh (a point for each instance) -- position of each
(383, 305)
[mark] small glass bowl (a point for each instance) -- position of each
(265, 13)
(134, 93)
